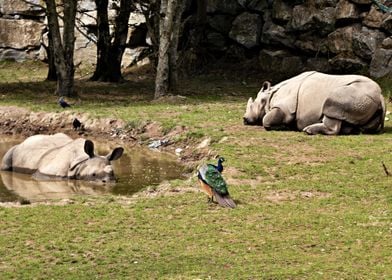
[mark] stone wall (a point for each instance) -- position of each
(287, 36)
(23, 32)
(21, 29)
(292, 36)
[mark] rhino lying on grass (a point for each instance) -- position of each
(60, 156)
(318, 103)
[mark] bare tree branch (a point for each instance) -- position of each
(385, 169)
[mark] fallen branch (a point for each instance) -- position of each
(385, 169)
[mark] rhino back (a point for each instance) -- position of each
(57, 162)
(344, 97)
(28, 155)
(285, 94)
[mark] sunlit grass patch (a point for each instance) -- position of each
(309, 207)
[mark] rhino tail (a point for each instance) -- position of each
(6, 163)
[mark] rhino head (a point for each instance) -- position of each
(256, 110)
(94, 167)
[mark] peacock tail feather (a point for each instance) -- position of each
(224, 200)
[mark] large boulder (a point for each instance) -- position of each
(85, 49)
(381, 64)
(221, 23)
(280, 62)
(20, 34)
(341, 39)
(254, 5)
(223, 7)
(86, 5)
(22, 7)
(325, 20)
(346, 10)
(246, 30)
(274, 34)
(136, 18)
(281, 11)
(87, 18)
(312, 43)
(325, 3)
(216, 41)
(374, 18)
(386, 25)
(320, 64)
(133, 56)
(347, 63)
(305, 18)
(366, 41)
(302, 19)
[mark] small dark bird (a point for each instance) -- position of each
(76, 124)
(62, 103)
(213, 184)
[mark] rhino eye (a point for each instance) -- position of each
(94, 174)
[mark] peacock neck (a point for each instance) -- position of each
(219, 167)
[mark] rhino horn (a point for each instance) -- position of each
(89, 148)
(116, 154)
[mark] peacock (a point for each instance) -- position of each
(213, 184)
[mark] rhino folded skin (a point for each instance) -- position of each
(319, 103)
(59, 156)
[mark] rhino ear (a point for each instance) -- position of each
(250, 101)
(266, 85)
(89, 148)
(116, 154)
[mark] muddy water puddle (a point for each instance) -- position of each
(136, 169)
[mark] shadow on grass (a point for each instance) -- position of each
(387, 129)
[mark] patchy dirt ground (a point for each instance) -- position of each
(18, 121)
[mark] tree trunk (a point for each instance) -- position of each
(63, 49)
(165, 30)
(173, 50)
(103, 43)
(171, 11)
(110, 54)
(52, 75)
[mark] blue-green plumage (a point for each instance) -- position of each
(211, 177)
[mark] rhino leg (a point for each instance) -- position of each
(328, 126)
(6, 163)
(274, 119)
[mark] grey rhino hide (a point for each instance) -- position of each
(318, 103)
(60, 156)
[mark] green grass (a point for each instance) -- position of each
(308, 207)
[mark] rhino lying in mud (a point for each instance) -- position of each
(318, 103)
(47, 156)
